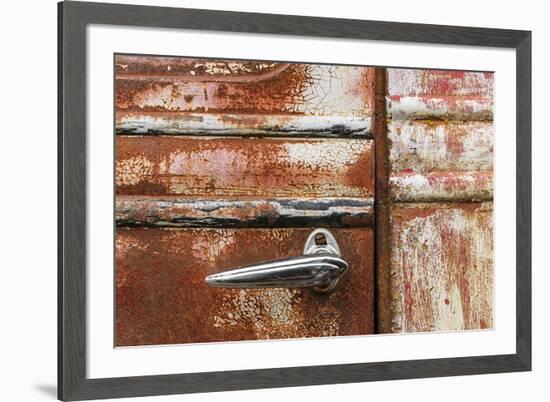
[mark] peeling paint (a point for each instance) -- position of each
(441, 146)
(242, 125)
(180, 212)
(442, 186)
(436, 169)
(442, 267)
(146, 87)
(458, 108)
(440, 135)
(132, 170)
(158, 67)
(420, 82)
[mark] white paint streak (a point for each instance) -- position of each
(325, 155)
(442, 186)
(449, 314)
(426, 147)
(193, 123)
(451, 108)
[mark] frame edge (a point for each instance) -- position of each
(523, 201)
(71, 200)
(72, 382)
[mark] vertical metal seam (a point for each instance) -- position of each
(382, 206)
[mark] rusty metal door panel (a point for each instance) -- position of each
(161, 297)
(172, 95)
(436, 269)
(222, 163)
(231, 167)
(442, 267)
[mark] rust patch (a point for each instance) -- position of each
(244, 167)
(158, 67)
(161, 297)
(382, 208)
(150, 85)
(151, 94)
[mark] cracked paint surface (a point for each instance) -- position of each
(174, 95)
(213, 171)
(161, 297)
(193, 178)
(260, 87)
(244, 167)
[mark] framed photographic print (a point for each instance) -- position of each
(253, 201)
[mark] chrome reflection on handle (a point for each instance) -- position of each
(320, 267)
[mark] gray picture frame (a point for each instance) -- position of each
(73, 18)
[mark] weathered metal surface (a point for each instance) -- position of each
(442, 267)
(441, 146)
(440, 140)
(448, 156)
(441, 160)
(242, 125)
(382, 206)
(447, 107)
(434, 156)
(439, 94)
(228, 167)
(161, 67)
(191, 203)
(161, 296)
(182, 96)
(281, 88)
(266, 213)
(440, 83)
(442, 186)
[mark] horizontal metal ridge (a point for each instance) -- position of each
(174, 211)
(184, 123)
(442, 186)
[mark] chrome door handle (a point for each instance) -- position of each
(320, 267)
